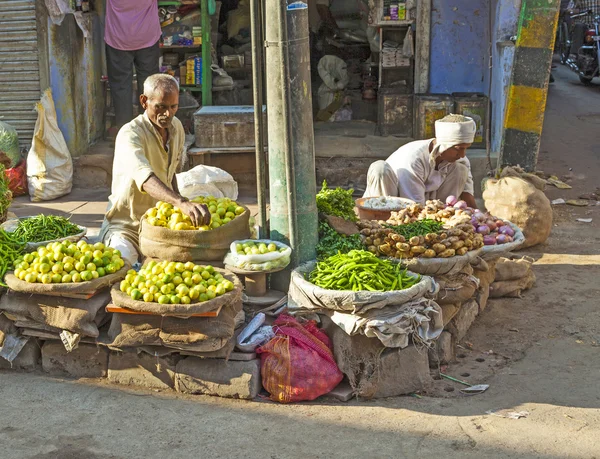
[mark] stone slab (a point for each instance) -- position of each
(142, 370)
(87, 361)
(459, 326)
(343, 392)
(232, 379)
(28, 359)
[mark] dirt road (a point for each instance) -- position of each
(540, 355)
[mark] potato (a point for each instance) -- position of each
(447, 253)
(418, 249)
(377, 242)
(438, 248)
(458, 245)
(372, 249)
(429, 253)
(413, 241)
(369, 241)
(462, 251)
(403, 246)
(431, 238)
(468, 243)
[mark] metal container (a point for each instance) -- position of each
(429, 109)
(476, 107)
(225, 126)
(395, 116)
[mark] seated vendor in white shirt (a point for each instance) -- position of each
(429, 169)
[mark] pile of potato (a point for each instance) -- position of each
(443, 244)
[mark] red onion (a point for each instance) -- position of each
(483, 229)
(506, 230)
(479, 215)
(451, 200)
(509, 239)
(474, 222)
(491, 224)
(461, 205)
(489, 240)
(501, 239)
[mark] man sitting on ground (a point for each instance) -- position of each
(148, 153)
(429, 169)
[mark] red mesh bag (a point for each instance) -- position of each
(17, 179)
(298, 364)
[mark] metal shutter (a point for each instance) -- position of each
(19, 67)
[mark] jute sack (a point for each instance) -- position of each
(507, 269)
(123, 300)
(199, 334)
(457, 288)
(77, 316)
(519, 201)
(165, 244)
(441, 266)
(14, 283)
(512, 288)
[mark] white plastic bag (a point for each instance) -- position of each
(334, 73)
(49, 163)
(408, 47)
(262, 262)
(207, 181)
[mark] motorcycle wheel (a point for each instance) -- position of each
(586, 81)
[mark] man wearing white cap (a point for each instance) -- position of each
(429, 169)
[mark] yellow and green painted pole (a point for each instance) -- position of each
(528, 90)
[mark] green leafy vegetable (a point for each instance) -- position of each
(337, 202)
(331, 242)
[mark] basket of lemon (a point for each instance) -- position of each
(258, 255)
(168, 234)
(64, 268)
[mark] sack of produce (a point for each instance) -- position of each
(328, 284)
(167, 234)
(298, 364)
(76, 316)
(43, 230)
(66, 269)
(179, 290)
(5, 195)
(519, 201)
(258, 255)
(512, 288)
(17, 179)
(49, 162)
(10, 154)
(485, 272)
(198, 334)
(457, 288)
(509, 269)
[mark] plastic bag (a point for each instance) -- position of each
(49, 163)
(298, 364)
(207, 181)
(262, 262)
(408, 48)
(17, 179)
(9, 145)
(334, 73)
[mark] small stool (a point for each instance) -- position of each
(257, 292)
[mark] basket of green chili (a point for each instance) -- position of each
(41, 230)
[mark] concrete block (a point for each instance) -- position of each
(343, 392)
(28, 359)
(142, 369)
(403, 371)
(87, 361)
(233, 379)
(443, 351)
(459, 326)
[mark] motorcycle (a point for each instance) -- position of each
(580, 47)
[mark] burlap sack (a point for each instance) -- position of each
(77, 316)
(516, 171)
(440, 266)
(486, 273)
(517, 200)
(457, 288)
(165, 244)
(123, 300)
(197, 334)
(78, 288)
(512, 288)
(449, 310)
(507, 269)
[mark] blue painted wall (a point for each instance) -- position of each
(506, 15)
(460, 46)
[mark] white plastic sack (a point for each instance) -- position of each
(49, 163)
(262, 262)
(207, 181)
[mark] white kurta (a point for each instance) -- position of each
(417, 177)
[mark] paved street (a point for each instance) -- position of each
(540, 354)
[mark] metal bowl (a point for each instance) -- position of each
(395, 204)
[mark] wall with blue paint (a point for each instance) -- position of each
(459, 46)
(506, 16)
